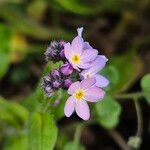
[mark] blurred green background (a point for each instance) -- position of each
(119, 29)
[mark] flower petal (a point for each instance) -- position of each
(84, 65)
(84, 74)
(101, 81)
(89, 55)
(82, 109)
(80, 30)
(98, 64)
(73, 87)
(87, 45)
(94, 94)
(77, 45)
(87, 83)
(68, 50)
(69, 106)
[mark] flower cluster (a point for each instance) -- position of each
(79, 74)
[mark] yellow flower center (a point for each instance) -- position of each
(75, 59)
(79, 94)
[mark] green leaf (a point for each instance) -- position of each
(31, 103)
(120, 72)
(82, 8)
(5, 35)
(13, 113)
(73, 146)
(37, 8)
(108, 112)
(145, 84)
(42, 132)
(4, 63)
(28, 25)
(17, 142)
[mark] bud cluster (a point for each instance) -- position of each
(55, 51)
(62, 77)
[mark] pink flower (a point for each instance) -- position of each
(81, 92)
(79, 53)
(97, 65)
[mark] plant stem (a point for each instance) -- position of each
(130, 95)
(139, 118)
(119, 139)
(77, 134)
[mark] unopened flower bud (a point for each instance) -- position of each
(66, 69)
(62, 54)
(56, 84)
(67, 83)
(53, 51)
(55, 74)
(46, 84)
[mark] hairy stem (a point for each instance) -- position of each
(77, 134)
(130, 95)
(118, 139)
(139, 118)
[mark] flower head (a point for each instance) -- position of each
(76, 53)
(79, 74)
(81, 92)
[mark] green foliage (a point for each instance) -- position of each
(37, 8)
(5, 34)
(58, 110)
(17, 142)
(4, 63)
(42, 131)
(82, 8)
(73, 146)
(29, 26)
(13, 113)
(145, 84)
(31, 103)
(108, 112)
(19, 75)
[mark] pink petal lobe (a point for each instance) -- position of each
(84, 65)
(69, 106)
(87, 83)
(94, 94)
(77, 45)
(98, 64)
(73, 87)
(87, 46)
(80, 30)
(67, 50)
(89, 55)
(101, 81)
(82, 109)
